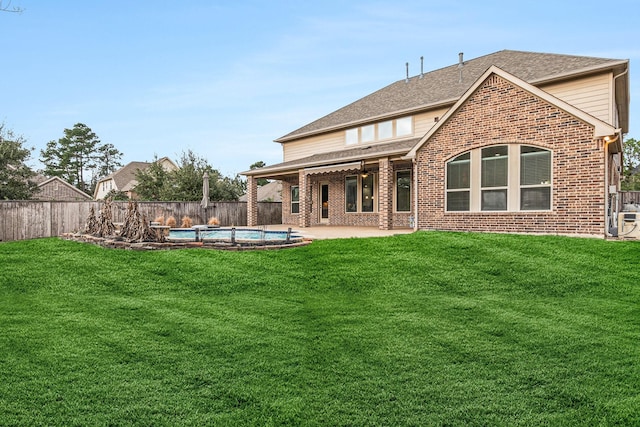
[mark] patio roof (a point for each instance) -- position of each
(335, 158)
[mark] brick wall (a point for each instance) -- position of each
(502, 113)
(337, 214)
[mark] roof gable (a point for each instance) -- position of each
(601, 129)
(444, 86)
(57, 180)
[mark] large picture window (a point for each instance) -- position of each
(403, 191)
(486, 179)
(360, 193)
(295, 199)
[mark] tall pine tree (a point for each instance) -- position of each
(79, 157)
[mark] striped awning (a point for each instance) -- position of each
(341, 167)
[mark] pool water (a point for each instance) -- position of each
(224, 234)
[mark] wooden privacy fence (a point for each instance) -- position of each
(630, 197)
(30, 219)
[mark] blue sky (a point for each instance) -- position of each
(226, 78)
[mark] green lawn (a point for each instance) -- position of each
(423, 329)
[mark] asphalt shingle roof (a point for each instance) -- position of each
(443, 86)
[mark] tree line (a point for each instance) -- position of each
(81, 159)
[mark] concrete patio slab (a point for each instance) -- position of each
(337, 232)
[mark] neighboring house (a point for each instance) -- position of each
(57, 189)
(270, 192)
(508, 142)
(124, 179)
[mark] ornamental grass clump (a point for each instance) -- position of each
(171, 222)
(186, 222)
(213, 221)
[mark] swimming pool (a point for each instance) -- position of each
(233, 235)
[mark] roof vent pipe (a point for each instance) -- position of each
(407, 79)
(460, 65)
(421, 66)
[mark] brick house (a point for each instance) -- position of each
(508, 142)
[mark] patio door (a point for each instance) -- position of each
(324, 202)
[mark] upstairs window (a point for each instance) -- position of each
(379, 131)
(351, 136)
(404, 126)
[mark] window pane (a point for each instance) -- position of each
(535, 166)
(367, 133)
(404, 126)
(458, 201)
(535, 198)
(351, 136)
(367, 193)
(385, 130)
(351, 193)
(458, 171)
(403, 191)
(494, 166)
(494, 200)
(295, 199)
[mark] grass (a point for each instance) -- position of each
(423, 329)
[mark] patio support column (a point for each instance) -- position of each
(252, 201)
(304, 217)
(385, 194)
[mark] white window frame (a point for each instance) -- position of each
(371, 132)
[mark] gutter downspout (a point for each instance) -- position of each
(414, 165)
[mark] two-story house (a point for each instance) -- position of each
(508, 142)
(124, 179)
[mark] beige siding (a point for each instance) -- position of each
(593, 94)
(306, 147)
(335, 141)
(425, 121)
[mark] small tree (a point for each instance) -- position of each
(152, 182)
(15, 175)
(631, 165)
(185, 183)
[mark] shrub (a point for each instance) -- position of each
(213, 221)
(159, 220)
(186, 222)
(171, 222)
